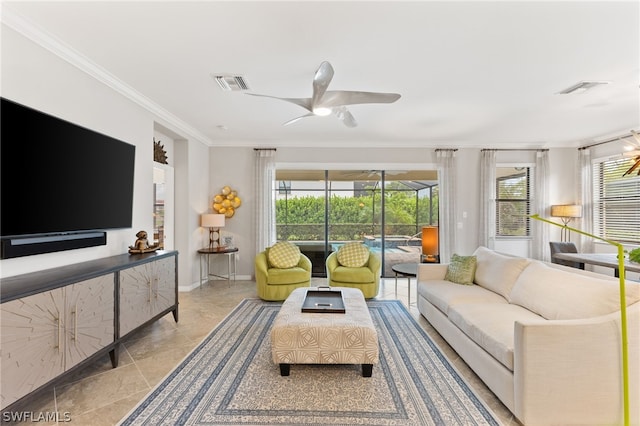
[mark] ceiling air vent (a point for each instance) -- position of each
(230, 83)
(582, 87)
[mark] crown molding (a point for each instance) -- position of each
(59, 48)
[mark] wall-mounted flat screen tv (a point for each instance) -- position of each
(58, 178)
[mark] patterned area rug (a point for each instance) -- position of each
(230, 379)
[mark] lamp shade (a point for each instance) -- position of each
(566, 210)
(430, 240)
(210, 220)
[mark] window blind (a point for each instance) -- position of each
(616, 207)
(513, 202)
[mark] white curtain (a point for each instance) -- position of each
(487, 209)
(265, 214)
(585, 199)
(448, 194)
(540, 230)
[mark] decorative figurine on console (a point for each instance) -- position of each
(142, 244)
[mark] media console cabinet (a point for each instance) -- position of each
(58, 320)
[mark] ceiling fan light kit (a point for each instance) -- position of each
(325, 102)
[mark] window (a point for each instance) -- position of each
(616, 207)
(284, 187)
(513, 201)
(319, 210)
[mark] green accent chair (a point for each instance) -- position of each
(276, 284)
(366, 278)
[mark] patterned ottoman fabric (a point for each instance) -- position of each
(324, 338)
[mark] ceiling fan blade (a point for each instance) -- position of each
(335, 98)
(321, 81)
(303, 102)
(347, 118)
(636, 165)
(311, 114)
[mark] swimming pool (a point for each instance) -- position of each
(336, 246)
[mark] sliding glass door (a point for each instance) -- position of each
(410, 203)
(320, 210)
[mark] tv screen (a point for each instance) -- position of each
(58, 177)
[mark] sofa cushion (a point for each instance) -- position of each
(498, 272)
(353, 255)
(491, 326)
(283, 255)
(444, 294)
(558, 294)
(352, 275)
(295, 275)
(461, 269)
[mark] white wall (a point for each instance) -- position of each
(234, 167)
(37, 78)
(33, 76)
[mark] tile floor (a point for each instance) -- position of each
(101, 395)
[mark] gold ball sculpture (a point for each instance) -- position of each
(226, 202)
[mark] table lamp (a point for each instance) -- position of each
(430, 249)
(214, 222)
(566, 213)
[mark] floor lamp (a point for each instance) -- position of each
(566, 213)
(623, 313)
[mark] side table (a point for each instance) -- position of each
(407, 270)
(205, 255)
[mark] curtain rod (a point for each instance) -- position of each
(616, 139)
(446, 149)
(265, 149)
(516, 149)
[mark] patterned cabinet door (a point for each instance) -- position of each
(164, 290)
(32, 337)
(145, 291)
(136, 292)
(89, 324)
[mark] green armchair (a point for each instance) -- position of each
(366, 278)
(276, 284)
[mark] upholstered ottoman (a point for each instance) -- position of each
(324, 338)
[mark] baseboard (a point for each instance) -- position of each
(193, 286)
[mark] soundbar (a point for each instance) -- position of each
(27, 246)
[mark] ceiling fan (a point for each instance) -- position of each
(325, 102)
(635, 154)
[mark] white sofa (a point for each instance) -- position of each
(544, 338)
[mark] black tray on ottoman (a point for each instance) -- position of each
(324, 301)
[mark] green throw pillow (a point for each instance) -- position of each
(353, 255)
(283, 255)
(461, 269)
